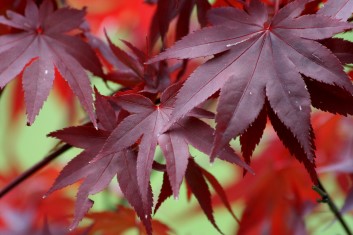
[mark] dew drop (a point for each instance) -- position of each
(46, 71)
(250, 93)
(176, 198)
(306, 88)
(146, 216)
(300, 108)
(71, 229)
(44, 196)
(288, 92)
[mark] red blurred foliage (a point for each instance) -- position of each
(122, 220)
(24, 209)
(131, 16)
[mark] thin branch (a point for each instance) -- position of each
(34, 169)
(325, 198)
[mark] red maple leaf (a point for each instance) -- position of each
(144, 124)
(43, 45)
(258, 66)
(96, 176)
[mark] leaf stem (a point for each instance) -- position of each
(325, 198)
(25, 175)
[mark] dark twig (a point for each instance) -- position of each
(34, 169)
(325, 198)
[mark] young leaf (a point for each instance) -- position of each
(258, 58)
(43, 45)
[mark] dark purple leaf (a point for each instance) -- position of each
(42, 45)
(258, 58)
(105, 113)
(127, 178)
(199, 188)
(339, 9)
(166, 192)
(219, 190)
(341, 48)
(251, 137)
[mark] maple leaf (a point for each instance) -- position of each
(43, 46)
(98, 174)
(144, 124)
(258, 64)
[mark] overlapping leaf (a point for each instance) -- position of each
(258, 64)
(130, 71)
(96, 176)
(144, 125)
(43, 46)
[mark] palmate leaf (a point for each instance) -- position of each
(259, 62)
(96, 176)
(43, 45)
(144, 125)
(108, 151)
